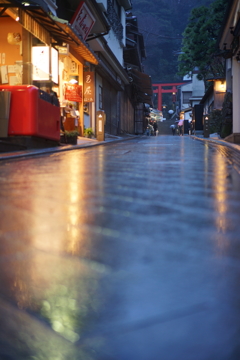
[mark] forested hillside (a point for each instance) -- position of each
(162, 23)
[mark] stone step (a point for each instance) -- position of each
(164, 127)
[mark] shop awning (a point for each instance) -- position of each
(80, 46)
(59, 30)
(143, 83)
(62, 32)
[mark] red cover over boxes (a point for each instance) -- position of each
(31, 115)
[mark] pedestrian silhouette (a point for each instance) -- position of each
(173, 128)
(180, 126)
(155, 127)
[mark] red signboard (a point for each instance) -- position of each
(73, 92)
(89, 86)
(83, 20)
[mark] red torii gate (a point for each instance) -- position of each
(160, 91)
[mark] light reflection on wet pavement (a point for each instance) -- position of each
(121, 252)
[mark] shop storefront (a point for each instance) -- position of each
(70, 91)
(44, 52)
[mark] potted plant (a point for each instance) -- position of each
(88, 132)
(70, 137)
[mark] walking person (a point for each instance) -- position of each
(155, 127)
(173, 128)
(180, 126)
(190, 128)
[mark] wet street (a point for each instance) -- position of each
(129, 251)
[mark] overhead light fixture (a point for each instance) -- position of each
(73, 81)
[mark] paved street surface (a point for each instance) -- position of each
(128, 251)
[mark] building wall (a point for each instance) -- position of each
(102, 4)
(99, 82)
(229, 75)
(236, 96)
(232, 66)
(126, 123)
(12, 53)
(139, 119)
(207, 104)
(198, 88)
(123, 21)
(114, 45)
(185, 88)
(110, 101)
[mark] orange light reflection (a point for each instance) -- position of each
(220, 196)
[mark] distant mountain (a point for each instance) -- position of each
(162, 23)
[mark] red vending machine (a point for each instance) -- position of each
(33, 112)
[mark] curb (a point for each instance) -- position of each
(218, 142)
(58, 149)
(39, 152)
(235, 149)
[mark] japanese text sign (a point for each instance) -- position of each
(89, 86)
(83, 21)
(73, 92)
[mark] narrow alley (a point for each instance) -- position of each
(128, 251)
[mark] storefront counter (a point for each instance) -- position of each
(69, 123)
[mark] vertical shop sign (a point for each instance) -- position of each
(89, 86)
(73, 92)
(83, 21)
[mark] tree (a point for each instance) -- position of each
(162, 22)
(156, 24)
(199, 46)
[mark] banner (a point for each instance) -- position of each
(73, 92)
(89, 86)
